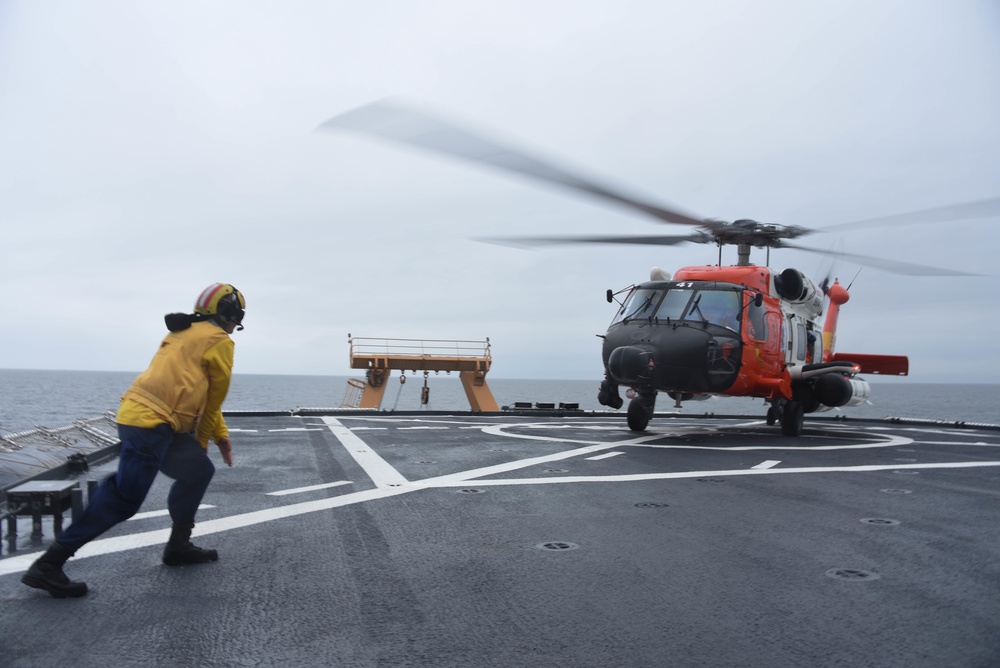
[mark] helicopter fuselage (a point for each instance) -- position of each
(743, 330)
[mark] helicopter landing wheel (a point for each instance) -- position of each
(638, 415)
(772, 416)
(792, 418)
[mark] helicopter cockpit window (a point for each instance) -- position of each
(719, 307)
(673, 304)
(640, 304)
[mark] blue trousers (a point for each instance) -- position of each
(145, 452)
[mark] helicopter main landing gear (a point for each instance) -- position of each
(791, 415)
(792, 418)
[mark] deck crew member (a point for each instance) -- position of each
(165, 421)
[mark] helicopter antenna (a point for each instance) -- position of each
(854, 279)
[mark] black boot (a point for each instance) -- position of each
(47, 573)
(180, 550)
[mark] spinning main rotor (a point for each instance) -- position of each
(414, 128)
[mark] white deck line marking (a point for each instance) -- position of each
(498, 430)
(98, 547)
(379, 470)
(310, 488)
(134, 541)
(369, 428)
(426, 427)
(937, 430)
(770, 463)
(606, 455)
(889, 442)
(641, 441)
(441, 482)
(397, 422)
(295, 429)
(475, 474)
(160, 513)
(979, 443)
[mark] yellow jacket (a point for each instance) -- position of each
(185, 384)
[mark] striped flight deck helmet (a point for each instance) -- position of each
(223, 302)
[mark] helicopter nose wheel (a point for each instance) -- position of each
(640, 410)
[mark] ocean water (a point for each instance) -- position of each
(30, 398)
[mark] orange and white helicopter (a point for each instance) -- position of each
(742, 330)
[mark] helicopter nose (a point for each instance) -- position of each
(632, 364)
(685, 359)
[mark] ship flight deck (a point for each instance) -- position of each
(473, 539)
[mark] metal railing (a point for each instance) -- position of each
(378, 347)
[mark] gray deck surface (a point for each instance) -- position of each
(512, 540)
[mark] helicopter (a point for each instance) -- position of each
(741, 330)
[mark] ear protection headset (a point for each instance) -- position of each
(231, 307)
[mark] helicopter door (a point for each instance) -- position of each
(801, 342)
(786, 339)
(756, 321)
(770, 345)
(796, 344)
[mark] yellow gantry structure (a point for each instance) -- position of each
(380, 357)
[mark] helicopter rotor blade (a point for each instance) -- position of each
(390, 121)
(894, 266)
(530, 242)
(986, 208)
(394, 122)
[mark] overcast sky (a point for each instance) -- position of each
(148, 149)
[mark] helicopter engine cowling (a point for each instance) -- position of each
(794, 286)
